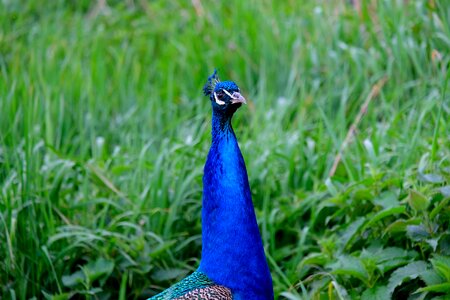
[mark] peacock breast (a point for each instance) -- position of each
(214, 292)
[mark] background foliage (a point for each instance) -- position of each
(104, 132)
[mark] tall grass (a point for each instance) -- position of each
(104, 133)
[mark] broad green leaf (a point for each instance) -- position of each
(363, 194)
(445, 190)
(376, 293)
(388, 258)
(400, 225)
(351, 231)
(349, 265)
(74, 279)
(62, 296)
(417, 232)
(383, 214)
(443, 204)
(442, 265)
(395, 257)
(431, 178)
(384, 254)
(391, 264)
(431, 277)
(408, 272)
(101, 267)
(444, 244)
(433, 243)
(395, 252)
(438, 288)
(387, 199)
(417, 200)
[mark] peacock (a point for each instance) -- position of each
(233, 264)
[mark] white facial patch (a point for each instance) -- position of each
(228, 93)
(217, 99)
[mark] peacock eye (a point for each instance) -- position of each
(220, 94)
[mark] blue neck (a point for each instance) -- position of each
(232, 250)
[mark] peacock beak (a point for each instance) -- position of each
(236, 97)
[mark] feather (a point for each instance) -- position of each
(211, 83)
(233, 263)
(195, 286)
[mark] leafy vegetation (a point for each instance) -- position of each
(104, 132)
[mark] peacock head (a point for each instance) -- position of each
(224, 95)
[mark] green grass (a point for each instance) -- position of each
(104, 132)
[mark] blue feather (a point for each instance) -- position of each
(232, 252)
(232, 249)
(211, 83)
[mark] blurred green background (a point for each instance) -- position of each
(104, 132)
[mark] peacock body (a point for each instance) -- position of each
(233, 263)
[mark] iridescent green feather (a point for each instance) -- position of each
(196, 280)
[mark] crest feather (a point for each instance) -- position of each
(211, 83)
